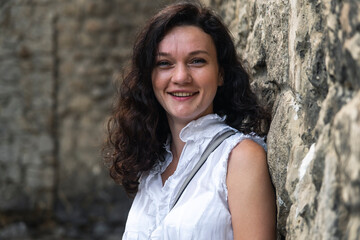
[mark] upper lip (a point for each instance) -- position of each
(182, 91)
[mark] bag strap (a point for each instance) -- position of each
(215, 142)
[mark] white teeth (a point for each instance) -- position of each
(182, 94)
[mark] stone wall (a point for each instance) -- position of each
(305, 61)
(57, 62)
(26, 107)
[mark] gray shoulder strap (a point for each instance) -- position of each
(215, 142)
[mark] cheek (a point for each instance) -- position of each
(159, 81)
(211, 82)
(154, 81)
(157, 87)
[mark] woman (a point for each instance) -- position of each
(184, 87)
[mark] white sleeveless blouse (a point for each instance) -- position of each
(202, 212)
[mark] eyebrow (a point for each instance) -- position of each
(191, 53)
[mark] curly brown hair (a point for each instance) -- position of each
(138, 127)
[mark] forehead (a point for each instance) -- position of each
(186, 38)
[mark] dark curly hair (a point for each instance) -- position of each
(138, 127)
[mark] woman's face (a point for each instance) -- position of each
(186, 74)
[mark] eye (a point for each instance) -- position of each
(163, 63)
(198, 61)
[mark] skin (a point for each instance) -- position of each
(249, 185)
(186, 64)
(185, 80)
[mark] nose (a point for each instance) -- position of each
(181, 74)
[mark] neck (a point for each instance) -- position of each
(176, 145)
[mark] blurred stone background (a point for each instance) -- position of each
(57, 62)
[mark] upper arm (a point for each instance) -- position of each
(250, 193)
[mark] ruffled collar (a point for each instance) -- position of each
(195, 131)
(201, 128)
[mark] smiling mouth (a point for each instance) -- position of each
(182, 94)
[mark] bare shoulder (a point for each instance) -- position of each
(248, 155)
(247, 168)
(251, 195)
